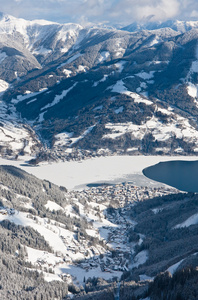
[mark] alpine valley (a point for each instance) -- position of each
(70, 93)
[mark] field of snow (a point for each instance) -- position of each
(112, 169)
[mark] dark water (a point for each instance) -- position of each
(182, 175)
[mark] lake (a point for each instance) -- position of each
(180, 174)
(96, 171)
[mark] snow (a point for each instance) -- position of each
(67, 72)
(192, 90)
(119, 87)
(145, 75)
(41, 117)
(66, 138)
(102, 80)
(51, 277)
(119, 110)
(104, 55)
(155, 41)
(33, 100)
(172, 269)
(140, 259)
(156, 210)
(120, 65)
(27, 94)
(165, 111)
(177, 125)
(81, 68)
(58, 98)
(80, 273)
(100, 107)
(87, 131)
(50, 232)
(3, 86)
(76, 175)
(63, 138)
(145, 277)
(3, 55)
(35, 255)
(53, 206)
(194, 67)
(41, 50)
(91, 232)
(74, 57)
(139, 99)
(193, 220)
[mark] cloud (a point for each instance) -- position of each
(116, 11)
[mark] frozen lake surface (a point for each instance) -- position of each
(110, 169)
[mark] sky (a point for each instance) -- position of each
(101, 11)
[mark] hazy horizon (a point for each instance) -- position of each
(101, 11)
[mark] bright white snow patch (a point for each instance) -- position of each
(119, 87)
(81, 68)
(63, 138)
(172, 269)
(104, 55)
(3, 86)
(192, 90)
(120, 65)
(190, 221)
(53, 206)
(27, 95)
(67, 72)
(101, 80)
(58, 98)
(155, 41)
(145, 75)
(140, 259)
(75, 140)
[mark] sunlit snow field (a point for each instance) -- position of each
(111, 169)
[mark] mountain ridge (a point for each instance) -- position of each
(116, 88)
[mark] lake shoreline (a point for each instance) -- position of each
(179, 174)
(109, 169)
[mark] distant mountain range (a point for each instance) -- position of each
(70, 92)
(181, 26)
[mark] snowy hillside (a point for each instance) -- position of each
(69, 236)
(101, 91)
(107, 233)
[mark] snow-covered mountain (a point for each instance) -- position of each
(98, 91)
(180, 26)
